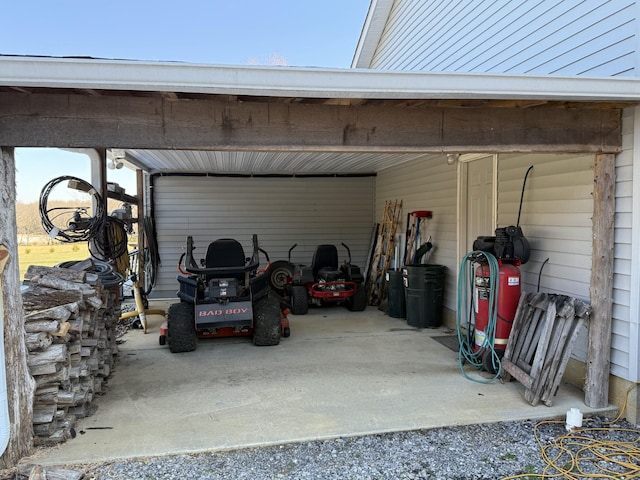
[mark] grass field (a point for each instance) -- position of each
(50, 255)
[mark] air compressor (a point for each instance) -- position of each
(496, 291)
(506, 304)
(493, 281)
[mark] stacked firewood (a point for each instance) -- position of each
(70, 332)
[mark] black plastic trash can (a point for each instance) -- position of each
(395, 294)
(424, 285)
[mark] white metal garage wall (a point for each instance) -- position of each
(281, 211)
(550, 37)
(427, 184)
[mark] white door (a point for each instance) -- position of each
(478, 208)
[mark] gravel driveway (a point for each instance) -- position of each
(487, 451)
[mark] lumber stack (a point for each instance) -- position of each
(70, 332)
(544, 332)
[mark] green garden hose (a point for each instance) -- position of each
(466, 313)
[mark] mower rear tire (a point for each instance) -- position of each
(266, 321)
(358, 301)
(181, 328)
(279, 274)
(299, 300)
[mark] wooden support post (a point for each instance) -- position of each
(142, 241)
(19, 382)
(599, 344)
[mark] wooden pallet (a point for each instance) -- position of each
(544, 331)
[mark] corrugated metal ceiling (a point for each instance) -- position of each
(288, 163)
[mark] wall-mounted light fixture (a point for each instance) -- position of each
(116, 157)
(452, 158)
(115, 164)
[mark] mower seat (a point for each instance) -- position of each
(225, 252)
(325, 263)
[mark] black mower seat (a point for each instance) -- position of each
(225, 252)
(325, 263)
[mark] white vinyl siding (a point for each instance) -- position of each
(281, 211)
(557, 220)
(624, 301)
(545, 37)
(426, 184)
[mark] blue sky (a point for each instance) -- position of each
(231, 32)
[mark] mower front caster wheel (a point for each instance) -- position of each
(299, 300)
(358, 301)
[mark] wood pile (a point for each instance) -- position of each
(544, 331)
(70, 332)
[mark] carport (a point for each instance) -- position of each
(340, 374)
(264, 122)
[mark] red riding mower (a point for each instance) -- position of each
(225, 296)
(327, 282)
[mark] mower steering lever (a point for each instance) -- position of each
(348, 250)
(294, 246)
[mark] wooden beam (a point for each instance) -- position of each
(70, 120)
(599, 343)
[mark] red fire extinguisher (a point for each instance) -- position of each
(506, 303)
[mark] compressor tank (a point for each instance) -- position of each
(506, 302)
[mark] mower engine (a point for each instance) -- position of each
(331, 285)
(327, 281)
(222, 289)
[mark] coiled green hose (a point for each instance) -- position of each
(466, 312)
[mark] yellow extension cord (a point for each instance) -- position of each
(567, 455)
(115, 236)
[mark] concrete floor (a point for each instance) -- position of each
(339, 374)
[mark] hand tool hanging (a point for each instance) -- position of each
(415, 222)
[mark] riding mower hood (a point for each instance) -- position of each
(325, 281)
(226, 295)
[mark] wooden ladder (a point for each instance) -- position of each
(376, 283)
